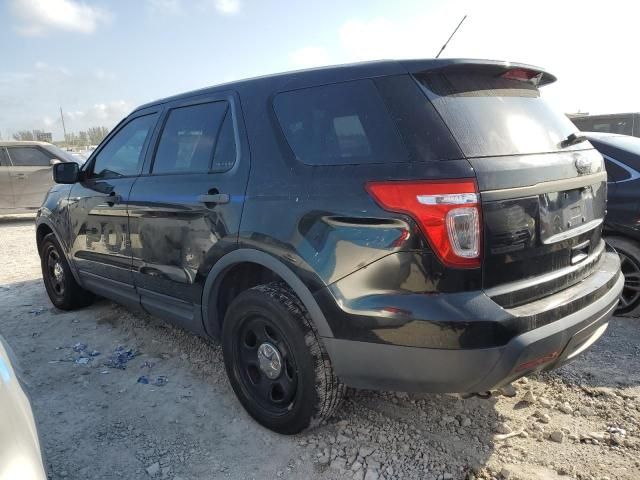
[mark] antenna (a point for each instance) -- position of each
(454, 32)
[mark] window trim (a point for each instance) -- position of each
(37, 147)
(87, 168)
(163, 123)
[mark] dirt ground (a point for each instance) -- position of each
(98, 422)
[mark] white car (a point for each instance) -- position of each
(20, 455)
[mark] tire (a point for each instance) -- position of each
(629, 253)
(304, 390)
(62, 288)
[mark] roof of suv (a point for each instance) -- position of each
(353, 71)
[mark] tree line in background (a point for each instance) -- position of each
(84, 138)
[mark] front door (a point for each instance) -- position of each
(98, 209)
(184, 212)
(6, 191)
(30, 175)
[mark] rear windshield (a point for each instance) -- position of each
(491, 116)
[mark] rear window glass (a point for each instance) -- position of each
(491, 116)
(339, 124)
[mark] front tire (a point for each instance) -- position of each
(275, 361)
(62, 288)
(629, 254)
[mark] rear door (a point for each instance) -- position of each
(185, 210)
(6, 190)
(98, 208)
(30, 175)
(543, 198)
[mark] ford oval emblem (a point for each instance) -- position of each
(583, 164)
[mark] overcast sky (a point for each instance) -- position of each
(99, 59)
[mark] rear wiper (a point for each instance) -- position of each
(572, 139)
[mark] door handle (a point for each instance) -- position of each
(19, 175)
(216, 198)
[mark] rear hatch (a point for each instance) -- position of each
(542, 188)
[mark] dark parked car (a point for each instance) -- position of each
(427, 225)
(622, 224)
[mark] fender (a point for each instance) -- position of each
(72, 266)
(243, 255)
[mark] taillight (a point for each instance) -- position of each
(523, 75)
(448, 212)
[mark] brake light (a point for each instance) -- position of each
(523, 75)
(448, 213)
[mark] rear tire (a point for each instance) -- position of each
(277, 366)
(62, 288)
(629, 253)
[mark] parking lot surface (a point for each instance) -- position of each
(118, 394)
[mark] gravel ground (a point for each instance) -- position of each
(99, 422)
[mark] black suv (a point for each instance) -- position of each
(427, 225)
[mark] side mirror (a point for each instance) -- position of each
(66, 172)
(54, 161)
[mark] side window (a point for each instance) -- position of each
(4, 160)
(339, 124)
(122, 156)
(615, 172)
(195, 139)
(29, 157)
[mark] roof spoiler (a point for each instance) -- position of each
(518, 71)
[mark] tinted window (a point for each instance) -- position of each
(424, 133)
(339, 124)
(188, 140)
(4, 160)
(490, 115)
(225, 154)
(615, 173)
(620, 124)
(29, 157)
(122, 155)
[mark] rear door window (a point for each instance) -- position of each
(339, 124)
(29, 157)
(189, 139)
(491, 116)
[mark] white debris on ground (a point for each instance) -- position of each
(170, 413)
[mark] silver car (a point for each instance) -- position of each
(20, 455)
(25, 174)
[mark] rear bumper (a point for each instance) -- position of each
(385, 366)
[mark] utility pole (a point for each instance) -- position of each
(64, 129)
(454, 32)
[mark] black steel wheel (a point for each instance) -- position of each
(62, 288)
(277, 366)
(267, 368)
(629, 254)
